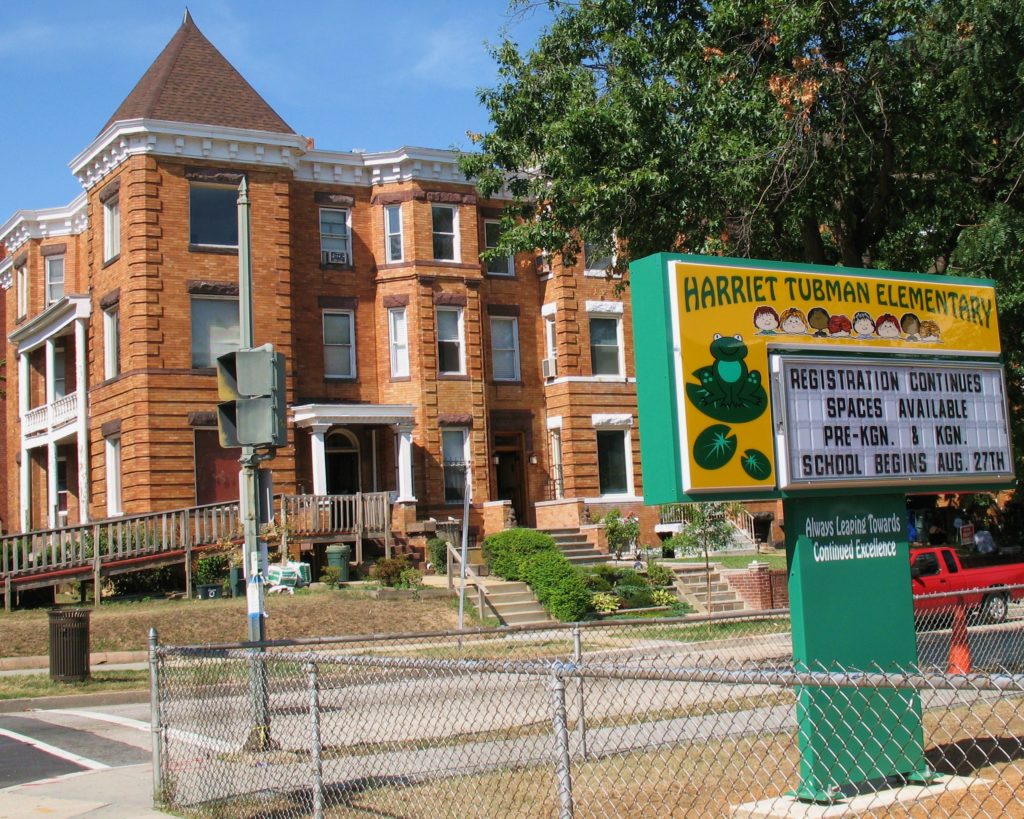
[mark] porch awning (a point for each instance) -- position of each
(308, 415)
(50, 323)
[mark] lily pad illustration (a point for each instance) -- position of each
(756, 464)
(726, 389)
(714, 447)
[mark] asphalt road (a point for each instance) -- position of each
(42, 744)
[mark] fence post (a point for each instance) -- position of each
(155, 719)
(97, 562)
(577, 657)
(315, 748)
(563, 769)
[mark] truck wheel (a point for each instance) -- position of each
(994, 608)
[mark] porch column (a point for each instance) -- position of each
(319, 453)
(23, 385)
(82, 422)
(25, 491)
(404, 464)
(51, 352)
(51, 480)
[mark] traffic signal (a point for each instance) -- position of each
(250, 385)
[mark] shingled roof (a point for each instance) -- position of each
(191, 81)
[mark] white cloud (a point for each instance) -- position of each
(455, 57)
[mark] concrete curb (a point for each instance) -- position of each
(96, 659)
(100, 698)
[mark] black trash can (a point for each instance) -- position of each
(209, 591)
(69, 644)
(236, 581)
(338, 555)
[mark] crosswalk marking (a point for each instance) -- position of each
(46, 748)
(126, 722)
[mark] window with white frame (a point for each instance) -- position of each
(113, 469)
(60, 371)
(596, 263)
(445, 221)
(502, 265)
(111, 342)
(22, 284)
(339, 344)
(505, 348)
(557, 481)
(398, 340)
(212, 215)
(450, 347)
(335, 236)
(214, 329)
(614, 462)
(111, 228)
(606, 345)
(393, 232)
(455, 459)
(550, 347)
(54, 279)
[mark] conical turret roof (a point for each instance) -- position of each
(191, 81)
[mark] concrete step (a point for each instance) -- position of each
(718, 608)
(507, 609)
(555, 532)
(511, 598)
(506, 587)
(716, 597)
(527, 618)
(587, 559)
(699, 587)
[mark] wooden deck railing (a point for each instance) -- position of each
(73, 549)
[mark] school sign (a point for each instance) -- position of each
(758, 379)
(769, 377)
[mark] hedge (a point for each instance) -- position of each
(506, 553)
(559, 587)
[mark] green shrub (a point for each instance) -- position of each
(607, 572)
(558, 585)
(410, 579)
(667, 551)
(679, 544)
(605, 603)
(148, 581)
(630, 577)
(596, 583)
(331, 576)
(388, 571)
(506, 553)
(635, 597)
(622, 532)
(658, 575)
(663, 597)
(212, 570)
(437, 554)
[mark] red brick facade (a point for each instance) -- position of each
(158, 404)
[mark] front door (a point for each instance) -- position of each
(217, 469)
(342, 473)
(510, 475)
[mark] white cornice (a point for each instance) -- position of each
(132, 137)
(69, 220)
(127, 138)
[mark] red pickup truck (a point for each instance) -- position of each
(938, 569)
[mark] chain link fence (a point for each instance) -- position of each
(697, 716)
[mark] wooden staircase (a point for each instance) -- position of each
(692, 584)
(576, 548)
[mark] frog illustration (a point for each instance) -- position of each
(726, 389)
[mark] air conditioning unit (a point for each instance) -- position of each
(335, 257)
(548, 368)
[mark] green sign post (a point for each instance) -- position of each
(851, 610)
(837, 391)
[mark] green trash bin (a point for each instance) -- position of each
(338, 555)
(236, 581)
(69, 644)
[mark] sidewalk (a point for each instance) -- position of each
(112, 793)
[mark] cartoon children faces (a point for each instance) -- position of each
(887, 326)
(794, 322)
(766, 320)
(863, 325)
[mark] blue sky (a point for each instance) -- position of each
(349, 73)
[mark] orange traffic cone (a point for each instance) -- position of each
(959, 648)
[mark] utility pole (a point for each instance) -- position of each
(259, 737)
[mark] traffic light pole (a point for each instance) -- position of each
(259, 737)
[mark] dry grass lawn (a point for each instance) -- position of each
(125, 626)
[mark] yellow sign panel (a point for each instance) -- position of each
(729, 317)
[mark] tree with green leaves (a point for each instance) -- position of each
(866, 133)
